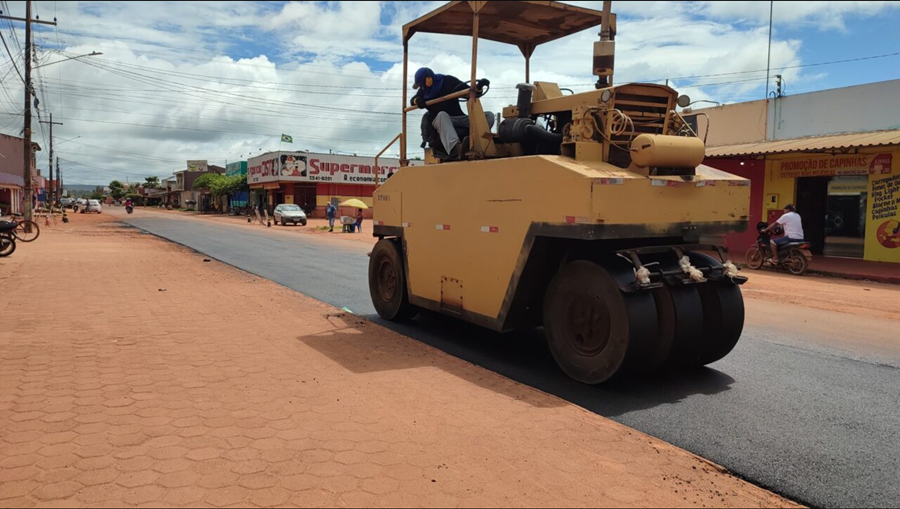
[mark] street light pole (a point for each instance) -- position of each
(91, 54)
(26, 134)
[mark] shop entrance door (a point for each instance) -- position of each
(812, 195)
(845, 227)
(305, 196)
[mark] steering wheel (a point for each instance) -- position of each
(480, 93)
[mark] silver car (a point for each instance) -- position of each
(92, 206)
(289, 213)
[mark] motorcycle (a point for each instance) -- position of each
(129, 208)
(795, 256)
(7, 237)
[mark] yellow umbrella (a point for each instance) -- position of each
(355, 203)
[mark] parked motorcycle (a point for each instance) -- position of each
(795, 257)
(7, 237)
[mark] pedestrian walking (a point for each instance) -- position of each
(330, 211)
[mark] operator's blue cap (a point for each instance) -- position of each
(421, 74)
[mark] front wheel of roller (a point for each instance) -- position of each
(723, 320)
(680, 313)
(588, 322)
(723, 313)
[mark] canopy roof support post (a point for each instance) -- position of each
(472, 88)
(403, 160)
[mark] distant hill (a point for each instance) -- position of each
(77, 190)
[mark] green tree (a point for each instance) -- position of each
(151, 183)
(207, 181)
(116, 189)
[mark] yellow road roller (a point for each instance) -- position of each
(589, 214)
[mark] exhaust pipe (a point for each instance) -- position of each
(605, 50)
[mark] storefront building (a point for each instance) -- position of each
(313, 180)
(834, 154)
(12, 174)
(11, 193)
(238, 168)
(845, 187)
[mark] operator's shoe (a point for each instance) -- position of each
(457, 153)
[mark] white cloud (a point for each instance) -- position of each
(822, 15)
(166, 90)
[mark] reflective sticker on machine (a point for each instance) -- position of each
(442, 227)
(610, 182)
(576, 219)
(406, 225)
(706, 183)
(663, 183)
(739, 183)
(490, 229)
(379, 223)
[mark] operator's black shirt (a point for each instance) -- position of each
(451, 84)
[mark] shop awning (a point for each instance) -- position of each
(266, 185)
(813, 144)
(8, 180)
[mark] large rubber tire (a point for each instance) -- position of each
(723, 314)
(680, 315)
(797, 264)
(723, 320)
(755, 258)
(7, 245)
(591, 326)
(387, 282)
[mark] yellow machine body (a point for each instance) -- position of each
(468, 227)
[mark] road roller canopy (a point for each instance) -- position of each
(524, 24)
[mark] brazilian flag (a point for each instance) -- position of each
(286, 139)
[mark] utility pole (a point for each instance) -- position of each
(769, 58)
(52, 193)
(29, 156)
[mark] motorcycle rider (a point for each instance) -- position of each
(793, 229)
(129, 205)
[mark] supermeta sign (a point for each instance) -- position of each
(308, 167)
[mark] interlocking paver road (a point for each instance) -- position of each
(134, 373)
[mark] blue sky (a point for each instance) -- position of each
(223, 80)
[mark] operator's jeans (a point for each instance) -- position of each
(442, 126)
(331, 222)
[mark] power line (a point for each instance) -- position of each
(886, 55)
(151, 79)
(13, 60)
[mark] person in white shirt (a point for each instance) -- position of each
(793, 228)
